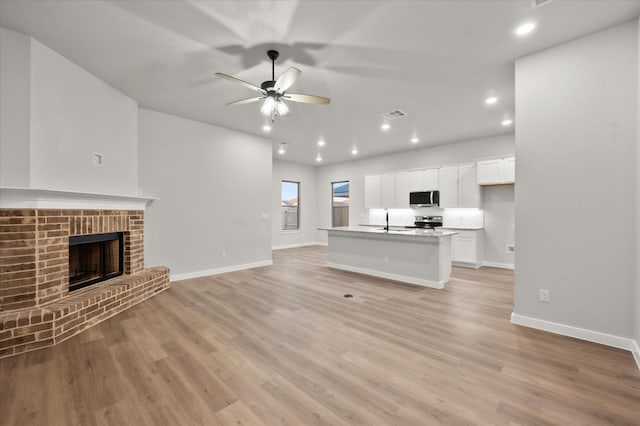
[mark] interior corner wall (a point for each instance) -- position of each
(15, 87)
(306, 176)
(576, 109)
(498, 205)
(214, 195)
(637, 304)
(73, 114)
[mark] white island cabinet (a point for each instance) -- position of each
(415, 256)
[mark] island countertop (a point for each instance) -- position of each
(410, 233)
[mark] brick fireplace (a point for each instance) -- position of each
(36, 307)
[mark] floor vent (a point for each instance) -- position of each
(396, 113)
(538, 3)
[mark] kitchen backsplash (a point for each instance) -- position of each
(452, 218)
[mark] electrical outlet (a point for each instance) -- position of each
(545, 295)
(223, 254)
(511, 248)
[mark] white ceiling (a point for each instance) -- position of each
(435, 60)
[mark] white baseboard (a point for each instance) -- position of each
(395, 277)
(498, 265)
(288, 246)
(571, 331)
(636, 353)
(216, 271)
(466, 264)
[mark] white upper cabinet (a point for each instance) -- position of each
(468, 187)
(509, 175)
(490, 171)
(388, 191)
(403, 188)
(430, 181)
(496, 171)
(417, 180)
(424, 180)
(459, 187)
(448, 183)
(372, 192)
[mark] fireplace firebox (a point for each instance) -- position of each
(94, 258)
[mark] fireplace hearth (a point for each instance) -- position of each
(48, 255)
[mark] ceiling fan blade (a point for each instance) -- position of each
(307, 99)
(240, 82)
(246, 101)
(287, 79)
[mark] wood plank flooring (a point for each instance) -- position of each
(281, 345)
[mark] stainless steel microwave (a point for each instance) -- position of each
(424, 199)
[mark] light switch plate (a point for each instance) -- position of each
(97, 159)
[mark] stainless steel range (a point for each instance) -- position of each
(427, 222)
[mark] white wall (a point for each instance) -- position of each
(15, 58)
(499, 223)
(306, 175)
(73, 115)
(575, 165)
(354, 171)
(213, 185)
(637, 307)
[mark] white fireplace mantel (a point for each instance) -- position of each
(40, 198)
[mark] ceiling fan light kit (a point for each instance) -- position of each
(273, 91)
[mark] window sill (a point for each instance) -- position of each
(292, 231)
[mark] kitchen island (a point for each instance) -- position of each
(415, 256)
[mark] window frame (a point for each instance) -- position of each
(347, 181)
(298, 227)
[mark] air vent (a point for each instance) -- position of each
(538, 3)
(396, 113)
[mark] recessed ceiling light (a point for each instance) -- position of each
(491, 100)
(354, 151)
(415, 140)
(321, 142)
(507, 122)
(266, 128)
(525, 28)
(318, 159)
(385, 126)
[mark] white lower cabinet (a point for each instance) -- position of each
(466, 247)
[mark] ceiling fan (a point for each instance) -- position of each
(274, 91)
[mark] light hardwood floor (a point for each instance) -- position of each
(281, 345)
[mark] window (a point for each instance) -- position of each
(340, 203)
(290, 205)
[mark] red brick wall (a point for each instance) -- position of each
(17, 259)
(34, 250)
